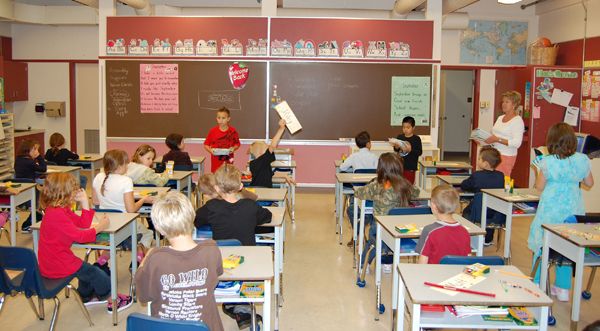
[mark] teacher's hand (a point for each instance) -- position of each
(491, 140)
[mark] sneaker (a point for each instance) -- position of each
(560, 293)
(229, 311)
(123, 302)
(488, 243)
(95, 301)
(26, 230)
(245, 320)
(350, 243)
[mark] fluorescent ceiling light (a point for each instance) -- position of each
(508, 2)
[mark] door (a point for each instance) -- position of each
(456, 108)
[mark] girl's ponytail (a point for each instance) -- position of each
(111, 161)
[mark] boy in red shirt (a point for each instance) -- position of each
(446, 236)
(222, 136)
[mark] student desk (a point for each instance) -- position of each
(145, 210)
(386, 232)
(501, 201)
(278, 223)
(425, 165)
(183, 179)
(93, 160)
(414, 293)
(122, 226)
(257, 266)
(340, 179)
(68, 169)
(424, 197)
(197, 163)
(450, 180)
(337, 164)
(572, 247)
(14, 201)
(290, 166)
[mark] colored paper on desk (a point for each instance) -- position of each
(461, 280)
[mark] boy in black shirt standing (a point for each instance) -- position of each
(412, 151)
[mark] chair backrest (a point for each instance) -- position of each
(182, 167)
(50, 163)
(467, 260)
(99, 210)
(228, 242)
(363, 171)
(144, 185)
(410, 211)
(140, 322)
(19, 180)
(21, 259)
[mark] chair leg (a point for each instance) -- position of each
(55, 314)
(7, 235)
(42, 312)
(87, 255)
(2, 303)
(67, 292)
(81, 305)
(32, 305)
(588, 289)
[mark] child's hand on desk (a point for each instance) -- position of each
(282, 123)
(147, 199)
(103, 224)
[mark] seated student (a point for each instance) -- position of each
(206, 186)
(176, 146)
(58, 154)
(231, 218)
(140, 168)
(446, 236)
(364, 159)
(173, 214)
(488, 177)
(260, 167)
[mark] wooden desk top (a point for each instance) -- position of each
(389, 223)
(270, 194)
(53, 168)
(518, 195)
(446, 164)
(277, 220)
(160, 190)
(195, 159)
(338, 163)
(557, 229)
(423, 195)
(258, 263)
(414, 275)
(179, 175)
(117, 221)
(452, 180)
(280, 164)
(88, 158)
(276, 179)
(354, 177)
(23, 187)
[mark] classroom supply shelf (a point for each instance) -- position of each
(7, 157)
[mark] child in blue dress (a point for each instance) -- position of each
(561, 172)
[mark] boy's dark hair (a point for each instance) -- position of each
(173, 141)
(410, 120)
(593, 327)
(25, 147)
(491, 156)
(224, 110)
(362, 139)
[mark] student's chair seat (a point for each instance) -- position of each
(495, 221)
(140, 322)
(30, 282)
(468, 260)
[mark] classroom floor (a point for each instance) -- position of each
(320, 289)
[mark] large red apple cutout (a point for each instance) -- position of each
(238, 75)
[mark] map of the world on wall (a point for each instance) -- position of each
(494, 42)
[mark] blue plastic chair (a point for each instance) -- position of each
(31, 283)
(228, 242)
(140, 322)
(468, 260)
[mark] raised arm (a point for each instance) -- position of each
(278, 135)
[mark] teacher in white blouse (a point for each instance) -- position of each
(507, 133)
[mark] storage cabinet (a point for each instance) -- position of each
(7, 148)
(15, 81)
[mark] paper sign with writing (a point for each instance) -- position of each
(285, 112)
(411, 96)
(159, 88)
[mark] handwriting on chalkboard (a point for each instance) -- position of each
(213, 100)
(411, 96)
(159, 88)
(118, 95)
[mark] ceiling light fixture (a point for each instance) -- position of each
(508, 2)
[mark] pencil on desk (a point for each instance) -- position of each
(530, 291)
(510, 273)
(227, 272)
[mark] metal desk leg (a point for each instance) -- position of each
(267, 309)
(340, 213)
(577, 288)
(354, 231)
(400, 312)
(13, 220)
(377, 270)
(113, 276)
(395, 287)
(134, 244)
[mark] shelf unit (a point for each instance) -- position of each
(7, 147)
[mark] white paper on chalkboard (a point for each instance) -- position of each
(285, 112)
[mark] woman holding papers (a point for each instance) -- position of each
(507, 133)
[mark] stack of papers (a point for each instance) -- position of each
(479, 136)
(403, 144)
(228, 289)
(222, 151)
(466, 311)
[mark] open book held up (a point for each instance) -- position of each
(479, 136)
(285, 112)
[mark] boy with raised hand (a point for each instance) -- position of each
(260, 167)
(487, 177)
(411, 152)
(184, 272)
(446, 236)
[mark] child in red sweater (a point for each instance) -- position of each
(60, 228)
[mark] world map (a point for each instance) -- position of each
(494, 42)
